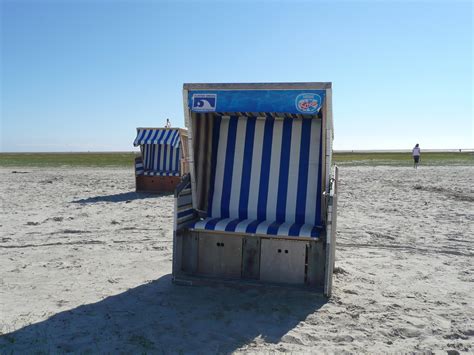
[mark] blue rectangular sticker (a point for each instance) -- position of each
(282, 101)
(204, 102)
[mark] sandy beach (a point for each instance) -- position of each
(85, 266)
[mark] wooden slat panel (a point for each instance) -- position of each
(283, 261)
(251, 258)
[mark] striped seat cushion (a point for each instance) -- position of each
(160, 173)
(266, 169)
(287, 229)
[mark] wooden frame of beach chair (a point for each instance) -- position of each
(259, 205)
(163, 159)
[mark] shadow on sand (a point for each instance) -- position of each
(122, 197)
(160, 317)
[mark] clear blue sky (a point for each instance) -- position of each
(82, 75)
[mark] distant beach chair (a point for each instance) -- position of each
(260, 203)
(162, 162)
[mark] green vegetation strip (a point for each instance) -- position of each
(404, 159)
(67, 159)
(127, 159)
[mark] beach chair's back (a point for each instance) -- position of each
(266, 168)
(161, 158)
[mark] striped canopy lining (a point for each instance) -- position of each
(266, 114)
(265, 176)
(157, 136)
(161, 160)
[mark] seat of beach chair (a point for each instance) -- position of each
(161, 173)
(251, 226)
(265, 177)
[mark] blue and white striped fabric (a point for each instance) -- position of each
(157, 136)
(139, 167)
(160, 173)
(159, 159)
(184, 212)
(265, 176)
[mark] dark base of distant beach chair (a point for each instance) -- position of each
(157, 184)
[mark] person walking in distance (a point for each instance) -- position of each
(416, 152)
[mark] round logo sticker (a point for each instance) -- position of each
(308, 103)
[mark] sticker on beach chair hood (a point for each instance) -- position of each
(204, 102)
(308, 103)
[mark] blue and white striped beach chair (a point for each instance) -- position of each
(162, 163)
(260, 185)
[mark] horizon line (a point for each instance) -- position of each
(435, 150)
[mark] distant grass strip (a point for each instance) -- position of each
(127, 159)
(403, 159)
(67, 159)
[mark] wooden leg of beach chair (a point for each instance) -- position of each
(188, 262)
(316, 264)
(251, 258)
